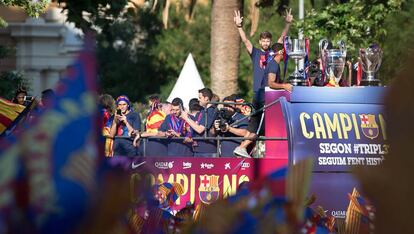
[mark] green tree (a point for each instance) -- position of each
(225, 47)
(182, 37)
(88, 14)
(9, 82)
(126, 65)
(357, 22)
(32, 7)
(398, 42)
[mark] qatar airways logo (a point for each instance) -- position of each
(164, 165)
(338, 213)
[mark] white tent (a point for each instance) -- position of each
(188, 83)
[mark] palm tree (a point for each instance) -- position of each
(225, 47)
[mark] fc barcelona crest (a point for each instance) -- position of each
(209, 188)
(369, 126)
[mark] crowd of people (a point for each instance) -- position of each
(171, 130)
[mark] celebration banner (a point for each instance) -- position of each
(339, 127)
(203, 179)
(338, 136)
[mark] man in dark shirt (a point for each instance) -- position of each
(260, 57)
(230, 124)
(201, 125)
(175, 126)
(124, 123)
(273, 80)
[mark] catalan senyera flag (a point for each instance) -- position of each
(8, 113)
(154, 120)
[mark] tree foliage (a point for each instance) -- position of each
(398, 43)
(10, 82)
(357, 22)
(32, 7)
(181, 38)
(363, 22)
(88, 14)
(126, 65)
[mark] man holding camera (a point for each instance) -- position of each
(230, 123)
(125, 121)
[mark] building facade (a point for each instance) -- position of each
(43, 47)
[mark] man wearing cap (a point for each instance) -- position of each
(125, 121)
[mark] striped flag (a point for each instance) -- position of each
(357, 216)
(8, 113)
(58, 154)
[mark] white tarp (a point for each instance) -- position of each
(188, 83)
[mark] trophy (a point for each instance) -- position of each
(297, 52)
(371, 58)
(333, 61)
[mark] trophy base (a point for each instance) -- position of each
(370, 83)
(298, 82)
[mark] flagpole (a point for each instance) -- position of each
(300, 36)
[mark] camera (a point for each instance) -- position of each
(28, 98)
(224, 117)
(118, 112)
(316, 75)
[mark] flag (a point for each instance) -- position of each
(154, 121)
(21, 122)
(357, 215)
(58, 154)
(8, 113)
(275, 182)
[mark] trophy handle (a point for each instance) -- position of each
(288, 43)
(342, 47)
(323, 45)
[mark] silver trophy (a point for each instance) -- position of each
(297, 52)
(333, 61)
(371, 58)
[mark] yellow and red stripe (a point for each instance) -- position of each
(154, 121)
(8, 113)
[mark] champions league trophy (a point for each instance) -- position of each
(371, 58)
(297, 52)
(333, 61)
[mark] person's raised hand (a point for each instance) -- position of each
(288, 16)
(238, 19)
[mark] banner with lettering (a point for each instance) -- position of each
(338, 133)
(203, 180)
